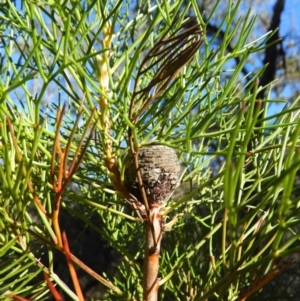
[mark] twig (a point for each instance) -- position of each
(167, 58)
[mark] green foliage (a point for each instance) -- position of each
(237, 223)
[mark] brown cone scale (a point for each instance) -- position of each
(159, 167)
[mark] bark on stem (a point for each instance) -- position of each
(154, 230)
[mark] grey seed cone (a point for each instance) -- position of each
(159, 168)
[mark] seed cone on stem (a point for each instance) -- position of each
(159, 167)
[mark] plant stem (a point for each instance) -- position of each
(154, 230)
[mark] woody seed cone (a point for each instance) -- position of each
(159, 168)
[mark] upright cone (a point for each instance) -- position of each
(159, 168)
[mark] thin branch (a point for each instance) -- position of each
(71, 267)
(166, 58)
(272, 53)
(52, 288)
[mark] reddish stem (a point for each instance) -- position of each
(152, 252)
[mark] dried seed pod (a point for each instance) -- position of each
(159, 168)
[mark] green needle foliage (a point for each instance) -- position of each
(233, 224)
